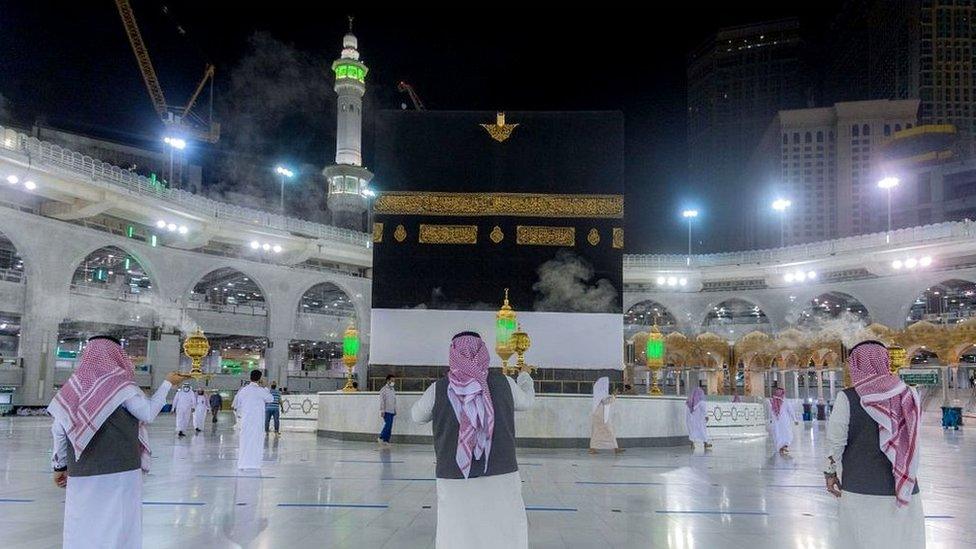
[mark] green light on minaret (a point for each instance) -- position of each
(350, 70)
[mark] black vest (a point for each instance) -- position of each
(866, 469)
(445, 426)
(114, 448)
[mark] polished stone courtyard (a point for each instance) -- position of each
(315, 492)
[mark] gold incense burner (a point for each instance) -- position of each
(195, 348)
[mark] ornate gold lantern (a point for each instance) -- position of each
(196, 347)
(350, 355)
(505, 325)
(898, 358)
(521, 344)
(655, 359)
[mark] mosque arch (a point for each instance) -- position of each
(948, 302)
(327, 298)
(115, 272)
(830, 307)
(11, 262)
(735, 317)
(228, 289)
(644, 314)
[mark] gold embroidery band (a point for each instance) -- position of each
(618, 238)
(600, 206)
(533, 235)
(377, 232)
(448, 234)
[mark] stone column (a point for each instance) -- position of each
(46, 303)
(712, 381)
(796, 384)
(830, 379)
(276, 360)
(820, 391)
(756, 383)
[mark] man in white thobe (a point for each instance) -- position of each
(249, 404)
(200, 408)
(183, 403)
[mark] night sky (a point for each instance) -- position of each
(70, 65)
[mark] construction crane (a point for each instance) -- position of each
(406, 88)
(181, 121)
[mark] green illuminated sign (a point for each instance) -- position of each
(152, 241)
(350, 71)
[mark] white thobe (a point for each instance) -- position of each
(481, 512)
(870, 521)
(200, 409)
(781, 428)
(183, 403)
(695, 419)
(106, 510)
(249, 403)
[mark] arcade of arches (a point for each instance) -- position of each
(736, 351)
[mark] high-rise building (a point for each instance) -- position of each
(348, 180)
(827, 162)
(737, 81)
(923, 49)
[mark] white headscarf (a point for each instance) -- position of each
(601, 390)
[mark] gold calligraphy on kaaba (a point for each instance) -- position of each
(593, 237)
(618, 238)
(536, 235)
(601, 206)
(448, 234)
(377, 232)
(400, 234)
(496, 235)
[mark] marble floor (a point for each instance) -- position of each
(315, 492)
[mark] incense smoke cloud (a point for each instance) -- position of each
(565, 285)
(439, 300)
(278, 107)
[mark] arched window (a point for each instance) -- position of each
(820, 136)
(229, 290)
(866, 130)
(855, 130)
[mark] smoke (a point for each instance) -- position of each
(439, 300)
(279, 107)
(565, 285)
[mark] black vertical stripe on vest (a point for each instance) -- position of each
(114, 448)
(445, 426)
(866, 469)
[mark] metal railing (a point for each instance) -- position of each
(113, 177)
(110, 293)
(12, 275)
(901, 237)
(253, 310)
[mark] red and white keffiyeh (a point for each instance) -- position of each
(894, 407)
(470, 397)
(103, 381)
(776, 403)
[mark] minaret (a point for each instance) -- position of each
(347, 178)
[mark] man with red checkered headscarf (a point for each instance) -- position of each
(101, 447)
(872, 457)
(479, 490)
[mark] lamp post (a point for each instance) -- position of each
(690, 215)
(350, 355)
(781, 205)
(888, 183)
(283, 172)
(175, 144)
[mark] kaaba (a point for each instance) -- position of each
(472, 204)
